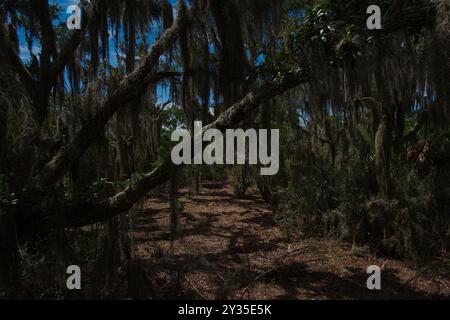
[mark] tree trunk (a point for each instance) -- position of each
(173, 185)
(383, 144)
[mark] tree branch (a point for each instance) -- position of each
(14, 58)
(47, 32)
(131, 87)
(72, 43)
(80, 215)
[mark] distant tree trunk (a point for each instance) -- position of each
(123, 154)
(173, 185)
(187, 96)
(244, 179)
(125, 116)
(264, 184)
(198, 179)
(398, 123)
(155, 135)
(264, 189)
(383, 145)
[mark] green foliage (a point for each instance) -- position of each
(172, 119)
(340, 202)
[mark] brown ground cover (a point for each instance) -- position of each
(231, 248)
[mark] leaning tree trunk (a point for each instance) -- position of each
(173, 185)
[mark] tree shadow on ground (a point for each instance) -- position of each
(219, 245)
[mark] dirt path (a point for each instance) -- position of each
(231, 249)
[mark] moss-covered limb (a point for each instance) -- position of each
(10, 54)
(401, 16)
(31, 220)
(72, 43)
(131, 87)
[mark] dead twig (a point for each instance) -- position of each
(419, 273)
(196, 290)
(257, 278)
(295, 252)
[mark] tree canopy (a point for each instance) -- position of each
(86, 115)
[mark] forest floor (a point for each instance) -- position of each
(230, 248)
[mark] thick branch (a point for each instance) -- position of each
(88, 213)
(131, 87)
(71, 44)
(47, 32)
(12, 54)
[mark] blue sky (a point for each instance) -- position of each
(24, 52)
(63, 15)
(64, 4)
(162, 94)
